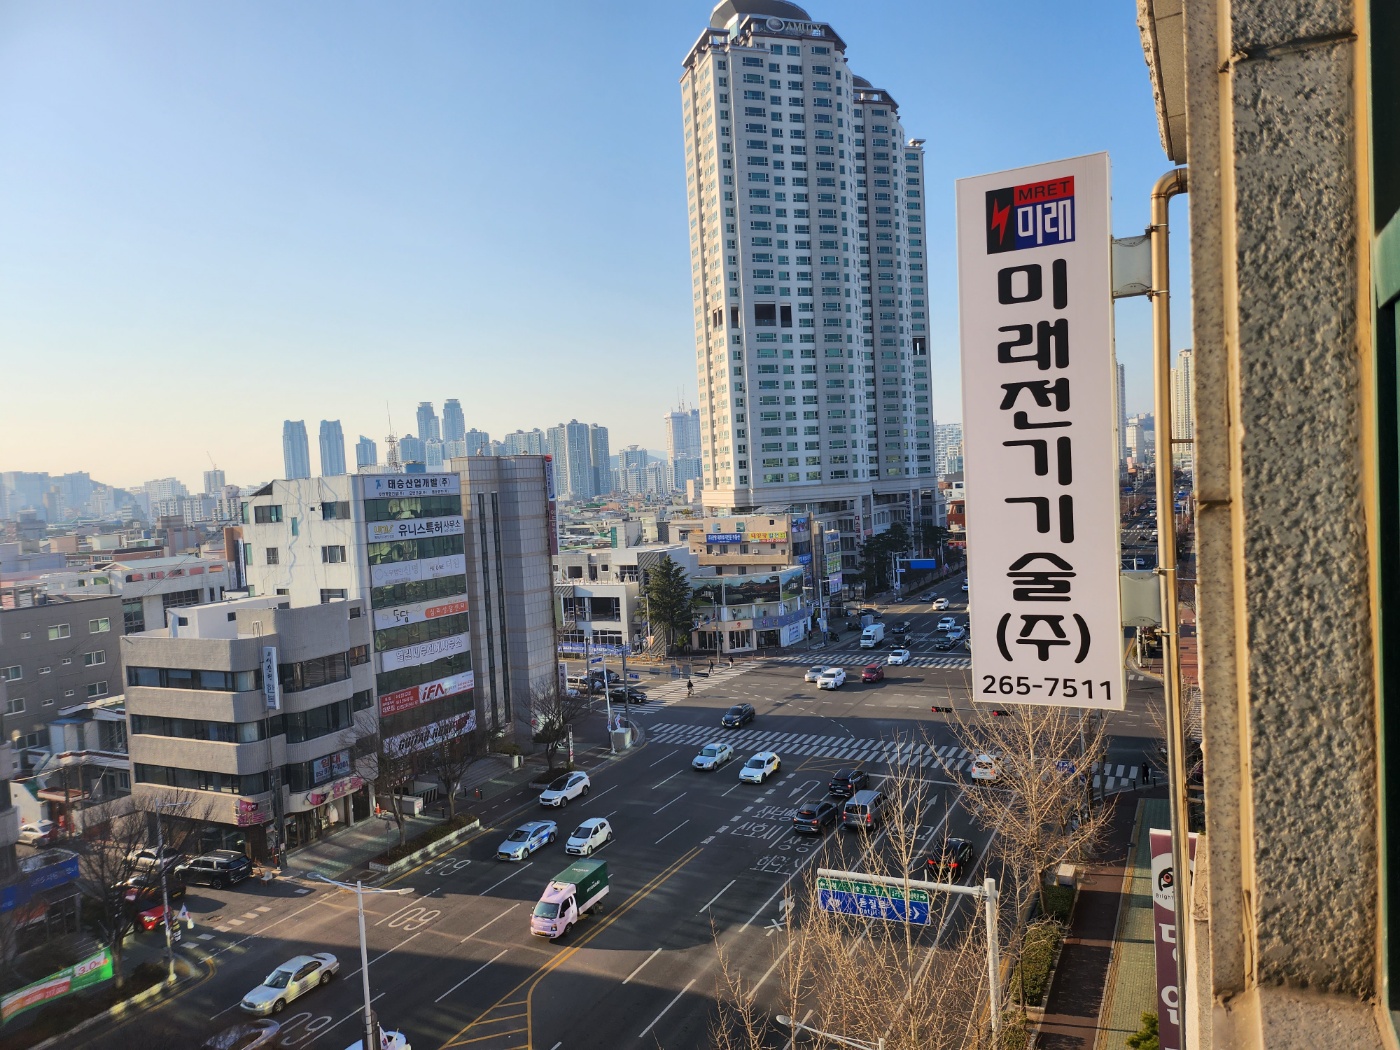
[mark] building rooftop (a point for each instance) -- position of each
(726, 12)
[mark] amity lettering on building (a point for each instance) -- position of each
(1038, 371)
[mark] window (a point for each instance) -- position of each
(333, 594)
(13, 673)
(101, 626)
(14, 706)
(184, 678)
(97, 689)
(266, 515)
(46, 670)
(333, 555)
(180, 599)
(58, 631)
(94, 659)
(335, 511)
(272, 556)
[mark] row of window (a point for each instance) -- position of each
(202, 780)
(418, 591)
(415, 633)
(16, 705)
(15, 672)
(400, 507)
(320, 670)
(403, 677)
(415, 550)
(297, 727)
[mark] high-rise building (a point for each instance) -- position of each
(527, 443)
(332, 448)
(214, 482)
(454, 425)
(599, 460)
(811, 309)
(683, 446)
(632, 463)
(411, 449)
(945, 437)
(1122, 413)
(475, 443)
(296, 450)
(1183, 409)
(366, 453)
(429, 429)
(569, 444)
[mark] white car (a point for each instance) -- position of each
(594, 833)
(813, 673)
(964, 586)
(759, 768)
(984, 768)
(33, 834)
(564, 789)
(947, 623)
(712, 756)
(898, 657)
(957, 633)
(940, 603)
(293, 979)
(832, 678)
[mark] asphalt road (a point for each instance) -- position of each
(699, 858)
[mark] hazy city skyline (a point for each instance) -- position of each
(224, 190)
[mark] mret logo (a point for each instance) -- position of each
(1030, 216)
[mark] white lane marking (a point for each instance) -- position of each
(359, 1012)
(469, 976)
(668, 779)
(662, 1014)
(717, 896)
(600, 794)
(396, 911)
(387, 951)
(677, 828)
(674, 800)
(483, 926)
(734, 788)
(638, 970)
(664, 758)
(493, 885)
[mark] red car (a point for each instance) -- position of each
(872, 673)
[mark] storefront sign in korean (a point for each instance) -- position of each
(93, 970)
(413, 528)
(424, 652)
(407, 699)
(400, 615)
(387, 573)
(272, 690)
(377, 486)
(429, 735)
(1038, 374)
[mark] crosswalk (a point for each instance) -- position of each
(861, 657)
(913, 755)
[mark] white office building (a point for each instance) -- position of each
(809, 260)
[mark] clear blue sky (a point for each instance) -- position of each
(215, 216)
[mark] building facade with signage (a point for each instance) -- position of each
(262, 712)
(393, 542)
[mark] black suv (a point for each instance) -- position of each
(814, 816)
(848, 781)
(949, 862)
(736, 716)
(222, 867)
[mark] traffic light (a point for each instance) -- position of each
(936, 710)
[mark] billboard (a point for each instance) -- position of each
(272, 691)
(426, 736)
(400, 615)
(407, 699)
(1164, 933)
(378, 486)
(391, 572)
(412, 528)
(1036, 313)
(424, 652)
(93, 970)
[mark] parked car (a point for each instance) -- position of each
(736, 716)
(712, 756)
(38, 833)
(527, 838)
(293, 979)
(872, 673)
(950, 861)
(564, 789)
(813, 673)
(593, 834)
(143, 891)
(760, 767)
(898, 657)
(220, 868)
(984, 768)
(847, 782)
(940, 603)
(246, 1035)
(832, 678)
(947, 623)
(813, 817)
(146, 856)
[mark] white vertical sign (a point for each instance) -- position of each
(272, 692)
(1036, 305)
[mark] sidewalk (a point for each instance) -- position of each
(1076, 997)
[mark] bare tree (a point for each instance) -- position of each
(450, 759)
(392, 765)
(553, 711)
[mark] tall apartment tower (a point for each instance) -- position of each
(429, 428)
(1183, 408)
(683, 446)
(366, 453)
(570, 445)
(214, 482)
(809, 261)
(600, 460)
(296, 450)
(454, 424)
(1122, 414)
(332, 448)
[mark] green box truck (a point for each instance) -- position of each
(569, 896)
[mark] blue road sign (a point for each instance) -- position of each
(1065, 767)
(873, 901)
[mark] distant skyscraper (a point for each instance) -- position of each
(214, 482)
(1183, 408)
(600, 460)
(946, 436)
(434, 455)
(853, 305)
(296, 450)
(683, 446)
(526, 443)
(454, 426)
(332, 448)
(573, 463)
(476, 442)
(632, 463)
(1122, 414)
(366, 453)
(411, 449)
(428, 427)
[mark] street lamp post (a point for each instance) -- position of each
(165, 888)
(788, 1022)
(370, 1043)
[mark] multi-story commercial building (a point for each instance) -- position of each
(296, 451)
(366, 453)
(598, 596)
(454, 424)
(148, 588)
(332, 447)
(809, 260)
(683, 446)
(56, 651)
(429, 429)
(269, 761)
(768, 602)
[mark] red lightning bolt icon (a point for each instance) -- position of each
(999, 217)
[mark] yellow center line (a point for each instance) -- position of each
(530, 982)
